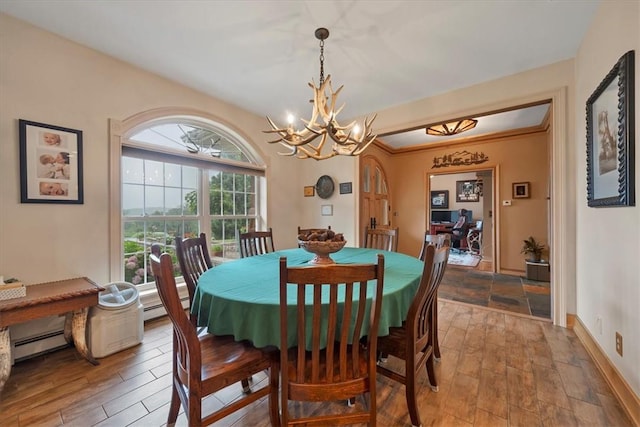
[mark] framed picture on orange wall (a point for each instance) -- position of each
(520, 190)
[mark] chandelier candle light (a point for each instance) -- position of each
(347, 140)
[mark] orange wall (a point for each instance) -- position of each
(515, 159)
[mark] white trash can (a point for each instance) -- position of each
(117, 322)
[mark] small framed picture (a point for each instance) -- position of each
(345, 188)
(440, 199)
(309, 191)
(520, 190)
(50, 164)
(326, 210)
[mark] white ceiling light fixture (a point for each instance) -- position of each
(452, 128)
(349, 140)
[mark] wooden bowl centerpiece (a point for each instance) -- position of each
(321, 243)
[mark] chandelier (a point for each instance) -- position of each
(349, 140)
(452, 128)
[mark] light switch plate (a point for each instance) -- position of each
(506, 203)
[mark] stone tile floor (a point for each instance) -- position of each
(500, 291)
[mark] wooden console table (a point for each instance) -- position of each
(72, 296)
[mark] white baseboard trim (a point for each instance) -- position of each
(623, 392)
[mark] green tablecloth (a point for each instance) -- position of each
(241, 298)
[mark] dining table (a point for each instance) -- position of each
(242, 297)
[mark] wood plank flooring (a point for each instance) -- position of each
(497, 369)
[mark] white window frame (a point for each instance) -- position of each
(119, 133)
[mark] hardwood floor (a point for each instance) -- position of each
(497, 369)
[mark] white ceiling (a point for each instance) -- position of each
(260, 55)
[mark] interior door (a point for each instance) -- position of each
(374, 194)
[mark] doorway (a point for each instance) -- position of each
(444, 191)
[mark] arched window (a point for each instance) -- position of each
(180, 176)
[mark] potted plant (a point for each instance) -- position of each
(217, 250)
(533, 249)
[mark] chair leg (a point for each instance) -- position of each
(174, 407)
(274, 384)
(431, 373)
(245, 386)
(410, 391)
(434, 321)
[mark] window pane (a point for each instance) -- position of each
(132, 200)
(172, 175)
(153, 172)
(132, 170)
(239, 182)
(173, 201)
(190, 198)
(189, 177)
(154, 200)
(240, 205)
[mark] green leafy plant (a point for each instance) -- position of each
(533, 248)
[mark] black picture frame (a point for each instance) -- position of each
(50, 164)
(611, 152)
(345, 188)
(468, 190)
(520, 190)
(440, 199)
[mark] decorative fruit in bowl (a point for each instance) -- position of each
(321, 243)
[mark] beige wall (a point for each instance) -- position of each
(515, 159)
(608, 239)
(47, 79)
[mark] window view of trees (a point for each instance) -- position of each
(162, 200)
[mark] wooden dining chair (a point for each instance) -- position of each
(439, 240)
(205, 364)
(385, 239)
(194, 259)
(255, 243)
(413, 341)
(330, 361)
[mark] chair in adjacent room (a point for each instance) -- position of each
(329, 361)
(459, 230)
(413, 341)
(255, 243)
(203, 365)
(474, 239)
(385, 239)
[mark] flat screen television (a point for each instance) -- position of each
(449, 216)
(440, 216)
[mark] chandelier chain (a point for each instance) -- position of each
(321, 61)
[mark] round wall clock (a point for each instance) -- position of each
(324, 187)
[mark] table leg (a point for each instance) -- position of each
(75, 327)
(5, 356)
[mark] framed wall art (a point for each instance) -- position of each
(440, 199)
(520, 190)
(345, 188)
(611, 138)
(50, 164)
(468, 191)
(309, 191)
